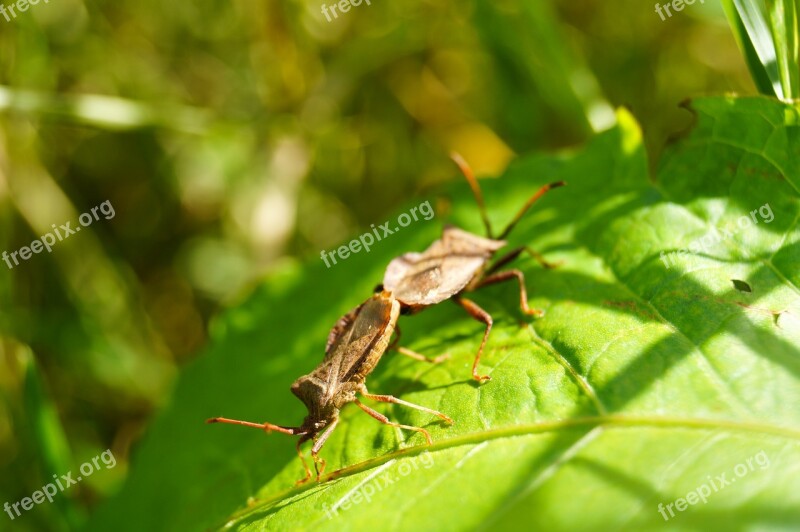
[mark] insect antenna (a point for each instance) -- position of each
(292, 431)
(476, 189)
(539, 193)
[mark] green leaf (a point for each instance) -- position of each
(649, 377)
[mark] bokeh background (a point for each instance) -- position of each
(232, 137)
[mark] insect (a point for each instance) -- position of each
(355, 345)
(451, 266)
(457, 263)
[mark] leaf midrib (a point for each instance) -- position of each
(611, 421)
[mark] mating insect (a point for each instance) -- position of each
(457, 263)
(355, 345)
(451, 266)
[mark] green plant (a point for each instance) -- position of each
(641, 383)
(767, 34)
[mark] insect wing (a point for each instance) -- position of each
(362, 342)
(341, 327)
(444, 269)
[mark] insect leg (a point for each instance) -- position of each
(481, 315)
(269, 427)
(514, 253)
(505, 259)
(476, 190)
(422, 358)
(300, 442)
(539, 193)
(304, 437)
(395, 400)
(318, 443)
(523, 294)
(385, 420)
(413, 354)
(541, 260)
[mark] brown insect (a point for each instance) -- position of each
(451, 266)
(355, 345)
(457, 263)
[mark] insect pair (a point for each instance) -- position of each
(452, 266)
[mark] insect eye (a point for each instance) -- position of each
(378, 289)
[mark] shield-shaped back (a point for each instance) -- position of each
(442, 270)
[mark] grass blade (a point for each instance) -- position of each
(755, 41)
(783, 24)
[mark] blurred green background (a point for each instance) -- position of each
(232, 137)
